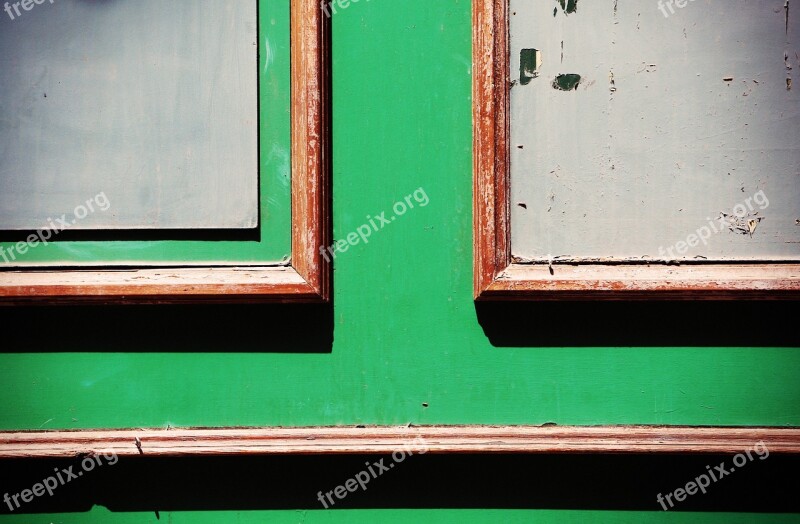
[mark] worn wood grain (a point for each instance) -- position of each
(434, 439)
(627, 282)
(310, 144)
(155, 286)
(492, 249)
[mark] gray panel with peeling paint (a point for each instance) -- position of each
(676, 120)
(153, 103)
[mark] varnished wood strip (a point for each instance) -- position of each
(624, 282)
(489, 124)
(310, 145)
(436, 439)
(166, 285)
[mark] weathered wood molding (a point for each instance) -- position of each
(162, 285)
(646, 282)
(433, 439)
(306, 279)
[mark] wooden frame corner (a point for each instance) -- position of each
(498, 277)
(306, 279)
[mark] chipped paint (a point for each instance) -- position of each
(567, 82)
(568, 6)
(530, 61)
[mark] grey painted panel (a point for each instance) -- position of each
(152, 103)
(676, 119)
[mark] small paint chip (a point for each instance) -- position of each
(567, 82)
(568, 6)
(530, 61)
(523, 205)
(728, 79)
(752, 225)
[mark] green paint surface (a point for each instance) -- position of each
(275, 172)
(101, 515)
(405, 324)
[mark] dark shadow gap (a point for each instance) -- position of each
(640, 324)
(567, 482)
(141, 235)
(268, 328)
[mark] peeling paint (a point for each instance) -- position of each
(568, 82)
(568, 6)
(530, 61)
(786, 7)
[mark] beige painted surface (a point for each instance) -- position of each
(152, 103)
(677, 119)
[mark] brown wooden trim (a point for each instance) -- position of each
(153, 286)
(492, 248)
(308, 278)
(310, 143)
(628, 282)
(435, 439)
(497, 278)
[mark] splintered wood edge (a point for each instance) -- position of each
(308, 278)
(497, 278)
(369, 440)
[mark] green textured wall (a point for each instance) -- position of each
(408, 345)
